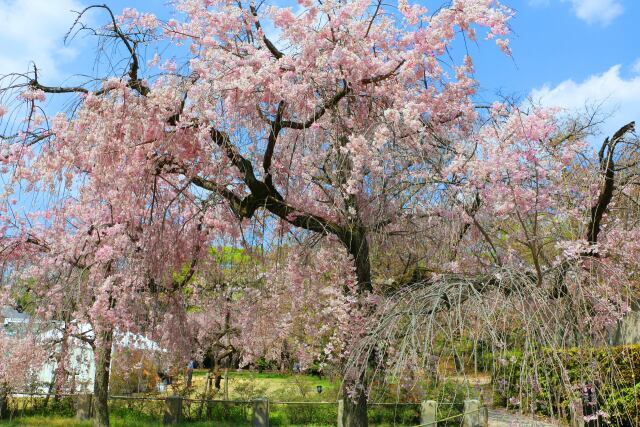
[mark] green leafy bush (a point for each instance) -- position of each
(548, 381)
(37, 405)
(394, 414)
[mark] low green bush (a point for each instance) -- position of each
(37, 406)
(394, 414)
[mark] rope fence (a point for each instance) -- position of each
(259, 412)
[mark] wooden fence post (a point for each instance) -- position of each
(428, 413)
(484, 415)
(173, 410)
(475, 415)
(576, 410)
(340, 412)
(261, 412)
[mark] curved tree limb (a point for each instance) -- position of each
(607, 171)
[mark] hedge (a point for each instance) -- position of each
(547, 381)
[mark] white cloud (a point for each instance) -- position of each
(33, 30)
(618, 98)
(601, 12)
(636, 66)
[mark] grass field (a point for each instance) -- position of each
(275, 386)
(243, 385)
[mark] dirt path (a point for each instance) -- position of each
(498, 418)
(501, 417)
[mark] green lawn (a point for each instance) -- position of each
(242, 386)
(275, 386)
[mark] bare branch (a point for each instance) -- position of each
(134, 81)
(607, 170)
(272, 48)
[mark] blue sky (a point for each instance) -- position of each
(568, 53)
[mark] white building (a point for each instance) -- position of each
(81, 365)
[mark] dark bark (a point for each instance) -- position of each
(101, 381)
(358, 246)
(355, 409)
(218, 379)
(4, 403)
(607, 171)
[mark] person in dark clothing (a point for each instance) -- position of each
(190, 372)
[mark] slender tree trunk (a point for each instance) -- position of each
(226, 383)
(214, 373)
(49, 390)
(101, 381)
(355, 391)
(218, 379)
(4, 402)
(227, 328)
(60, 373)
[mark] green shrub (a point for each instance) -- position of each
(34, 406)
(546, 382)
(394, 414)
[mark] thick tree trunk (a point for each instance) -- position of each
(355, 403)
(101, 381)
(358, 246)
(355, 391)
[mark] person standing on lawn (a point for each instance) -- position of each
(189, 372)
